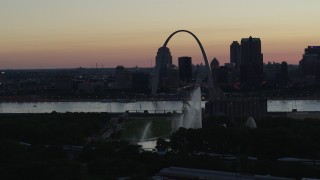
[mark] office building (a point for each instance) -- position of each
(163, 59)
(185, 69)
(284, 77)
(214, 65)
(251, 68)
(310, 64)
(172, 80)
(307, 64)
(272, 71)
(235, 54)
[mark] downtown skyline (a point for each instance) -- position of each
(50, 34)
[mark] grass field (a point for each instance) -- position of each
(133, 127)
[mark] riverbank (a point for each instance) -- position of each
(295, 98)
(25, 99)
(156, 106)
(129, 100)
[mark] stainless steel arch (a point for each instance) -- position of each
(210, 80)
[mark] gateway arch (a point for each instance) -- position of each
(162, 56)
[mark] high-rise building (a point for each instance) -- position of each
(310, 57)
(214, 65)
(251, 68)
(235, 54)
(185, 69)
(221, 75)
(310, 63)
(172, 80)
(313, 50)
(163, 60)
(284, 73)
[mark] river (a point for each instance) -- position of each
(47, 107)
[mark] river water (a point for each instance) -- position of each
(47, 107)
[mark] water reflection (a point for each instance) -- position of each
(148, 145)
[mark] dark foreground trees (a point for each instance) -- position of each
(46, 158)
(52, 128)
(274, 138)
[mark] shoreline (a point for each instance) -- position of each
(130, 100)
(85, 100)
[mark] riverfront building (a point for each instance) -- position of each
(238, 108)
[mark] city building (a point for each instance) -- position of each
(310, 64)
(214, 65)
(230, 66)
(284, 76)
(238, 108)
(272, 71)
(90, 87)
(231, 73)
(222, 75)
(140, 81)
(172, 80)
(251, 68)
(185, 69)
(163, 59)
(123, 78)
(235, 54)
(63, 83)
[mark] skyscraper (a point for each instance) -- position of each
(172, 80)
(185, 69)
(283, 73)
(214, 65)
(163, 60)
(235, 54)
(310, 57)
(310, 63)
(251, 68)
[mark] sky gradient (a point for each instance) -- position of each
(74, 33)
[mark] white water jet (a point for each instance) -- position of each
(145, 132)
(251, 123)
(192, 116)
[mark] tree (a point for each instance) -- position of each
(162, 144)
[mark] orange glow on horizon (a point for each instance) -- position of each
(54, 34)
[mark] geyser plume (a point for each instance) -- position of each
(146, 131)
(191, 116)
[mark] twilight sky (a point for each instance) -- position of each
(74, 33)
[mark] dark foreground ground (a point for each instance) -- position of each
(69, 146)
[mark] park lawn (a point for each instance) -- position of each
(160, 127)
